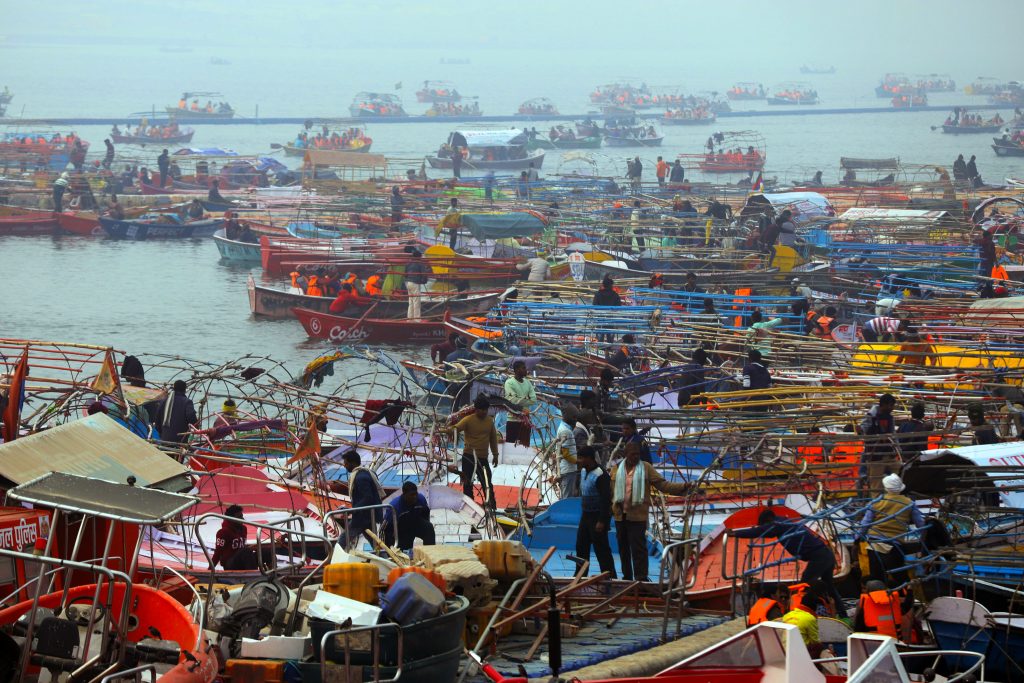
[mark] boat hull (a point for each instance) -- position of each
(140, 230)
(680, 121)
(143, 140)
(29, 224)
(340, 329)
(235, 251)
(634, 142)
(970, 130)
(177, 113)
(536, 158)
(786, 100)
(1004, 150)
(593, 142)
(275, 303)
(291, 151)
(87, 225)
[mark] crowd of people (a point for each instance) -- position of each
(348, 139)
(158, 132)
(210, 108)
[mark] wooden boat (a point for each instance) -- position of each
(746, 91)
(793, 93)
(340, 329)
(811, 70)
(151, 229)
(965, 624)
(970, 130)
(223, 110)
(631, 140)
(490, 150)
(437, 91)
(143, 140)
(538, 106)
(545, 142)
(235, 251)
(376, 105)
(293, 151)
(687, 117)
(85, 223)
(1005, 147)
(276, 303)
(29, 224)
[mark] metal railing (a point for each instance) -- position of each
(676, 570)
(374, 632)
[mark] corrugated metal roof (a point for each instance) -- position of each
(101, 498)
(95, 446)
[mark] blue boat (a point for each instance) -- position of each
(962, 624)
(152, 228)
(235, 251)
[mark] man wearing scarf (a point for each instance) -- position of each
(364, 491)
(632, 481)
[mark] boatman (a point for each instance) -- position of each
(661, 170)
(416, 273)
(803, 544)
(60, 186)
(177, 413)
(163, 163)
(596, 511)
(479, 435)
(364, 491)
(413, 514)
(885, 526)
(567, 451)
(519, 391)
(631, 483)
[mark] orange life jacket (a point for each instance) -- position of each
(741, 292)
(810, 454)
(373, 285)
(313, 289)
(881, 612)
(796, 597)
(295, 278)
(999, 273)
(761, 611)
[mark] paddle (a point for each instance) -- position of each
(360, 321)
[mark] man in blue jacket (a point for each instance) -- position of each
(413, 514)
(364, 491)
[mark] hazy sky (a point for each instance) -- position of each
(903, 35)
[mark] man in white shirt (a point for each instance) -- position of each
(565, 451)
(538, 268)
(519, 392)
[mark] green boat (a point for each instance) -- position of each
(593, 142)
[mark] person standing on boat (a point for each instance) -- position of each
(177, 414)
(416, 273)
(108, 158)
(114, 208)
(163, 163)
(803, 544)
(537, 267)
(452, 219)
(456, 157)
(879, 451)
(759, 334)
(534, 177)
(568, 457)
(596, 511)
(960, 168)
(972, 172)
(364, 491)
(479, 435)
(984, 433)
(519, 391)
(635, 171)
(489, 186)
(885, 526)
(397, 202)
(677, 174)
(631, 482)
(60, 186)
(661, 171)
(987, 254)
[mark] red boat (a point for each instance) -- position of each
(29, 223)
(85, 223)
(340, 329)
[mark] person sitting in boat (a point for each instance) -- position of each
(232, 228)
(114, 208)
(196, 211)
(803, 615)
(413, 520)
(214, 194)
(231, 551)
(880, 610)
(346, 297)
(770, 606)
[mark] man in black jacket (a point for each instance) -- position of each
(596, 505)
(163, 162)
(176, 414)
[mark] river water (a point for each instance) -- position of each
(177, 298)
